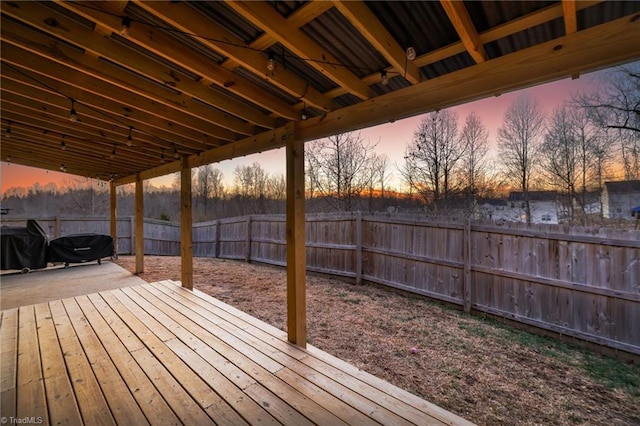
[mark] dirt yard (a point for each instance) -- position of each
(474, 367)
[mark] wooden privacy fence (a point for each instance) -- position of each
(578, 282)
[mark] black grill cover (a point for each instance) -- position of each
(24, 247)
(80, 248)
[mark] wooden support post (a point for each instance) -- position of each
(296, 256)
(247, 255)
(358, 248)
(139, 226)
(113, 206)
(132, 234)
(217, 241)
(466, 279)
(186, 232)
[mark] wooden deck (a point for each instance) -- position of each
(160, 354)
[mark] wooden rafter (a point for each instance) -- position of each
(97, 94)
(570, 16)
(459, 17)
(609, 44)
(370, 27)
(189, 21)
(164, 46)
(61, 27)
(264, 16)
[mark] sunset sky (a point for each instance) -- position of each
(391, 138)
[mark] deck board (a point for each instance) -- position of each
(160, 354)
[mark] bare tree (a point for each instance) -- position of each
(519, 140)
(251, 188)
(432, 157)
(561, 156)
(475, 139)
(614, 105)
(208, 184)
(615, 102)
(340, 168)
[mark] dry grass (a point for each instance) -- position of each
(474, 367)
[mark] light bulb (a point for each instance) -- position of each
(129, 138)
(271, 63)
(385, 79)
(411, 53)
(126, 24)
(73, 115)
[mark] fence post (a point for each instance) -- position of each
(58, 228)
(358, 247)
(216, 247)
(466, 280)
(248, 254)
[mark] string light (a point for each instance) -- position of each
(126, 24)
(130, 138)
(63, 146)
(128, 21)
(384, 77)
(73, 115)
(271, 63)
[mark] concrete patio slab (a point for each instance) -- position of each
(17, 289)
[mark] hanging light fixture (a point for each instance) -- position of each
(113, 153)
(162, 156)
(126, 24)
(63, 146)
(63, 168)
(130, 138)
(73, 115)
(176, 155)
(271, 63)
(384, 77)
(7, 133)
(411, 53)
(8, 159)
(304, 111)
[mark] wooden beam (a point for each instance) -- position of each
(186, 19)
(263, 142)
(508, 28)
(372, 29)
(570, 16)
(602, 46)
(113, 208)
(459, 17)
(188, 58)
(86, 89)
(139, 226)
(296, 253)
(264, 16)
(69, 30)
(186, 235)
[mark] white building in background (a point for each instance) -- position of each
(619, 198)
(543, 205)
